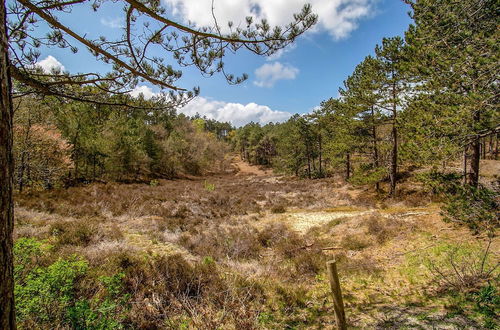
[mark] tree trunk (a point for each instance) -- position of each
(20, 174)
(474, 164)
(465, 166)
(348, 166)
(375, 146)
(320, 155)
(308, 162)
(495, 157)
(394, 155)
(476, 156)
(483, 147)
(7, 316)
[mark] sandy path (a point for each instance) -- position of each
(244, 168)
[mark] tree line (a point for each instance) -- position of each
(64, 143)
(425, 99)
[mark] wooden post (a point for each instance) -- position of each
(338, 303)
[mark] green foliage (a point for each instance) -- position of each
(74, 142)
(208, 186)
(365, 174)
(26, 252)
(438, 182)
(48, 295)
(105, 312)
(487, 300)
(476, 208)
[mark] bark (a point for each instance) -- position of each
(474, 163)
(394, 154)
(320, 155)
(465, 166)
(308, 163)
(348, 166)
(7, 316)
(375, 146)
(496, 147)
(476, 156)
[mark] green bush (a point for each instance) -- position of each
(53, 297)
(27, 251)
(106, 312)
(477, 208)
(440, 183)
(487, 301)
(367, 174)
(47, 293)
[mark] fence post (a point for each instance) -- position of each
(338, 303)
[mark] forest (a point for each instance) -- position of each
(121, 212)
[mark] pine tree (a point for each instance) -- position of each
(454, 48)
(393, 90)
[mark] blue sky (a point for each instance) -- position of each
(310, 71)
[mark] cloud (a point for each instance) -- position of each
(236, 113)
(50, 63)
(269, 73)
(338, 17)
(114, 23)
(146, 91)
(281, 52)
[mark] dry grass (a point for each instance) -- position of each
(246, 254)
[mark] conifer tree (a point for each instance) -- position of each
(393, 92)
(454, 49)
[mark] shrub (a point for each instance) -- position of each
(78, 232)
(26, 253)
(476, 208)
(367, 174)
(280, 208)
(438, 182)
(238, 242)
(104, 312)
(354, 242)
(487, 300)
(208, 186)
(460, 268)
(47, 293)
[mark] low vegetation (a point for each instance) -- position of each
(134, 216)
(249, 253)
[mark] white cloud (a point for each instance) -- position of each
(50, 63)
(114, 23)
(146, 91)
(281, 52)
(338, 17)
(269, 73)
(236, 113)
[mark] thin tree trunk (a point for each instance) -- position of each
(20, 174)
(490, 147)
(320, 155)
(476, 155)
(348, 166)
(474, 164)
(465, 166)
(308, 163)
(394, 156)
(496, 147)
(375, 146)
(483, 147)
(7, 315)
